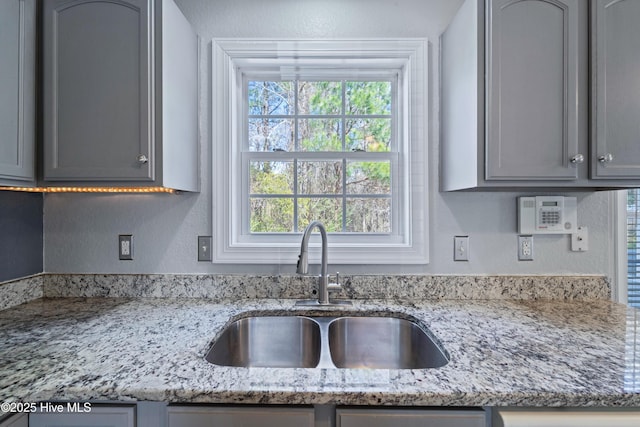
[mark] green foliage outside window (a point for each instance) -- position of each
(347, 195)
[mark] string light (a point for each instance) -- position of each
(144, 190)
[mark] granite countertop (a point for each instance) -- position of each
(503, 352)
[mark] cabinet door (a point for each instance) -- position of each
(97, 90)
(104, 416)
(541, 417)
(186, 416)
(615, 69)
(17, 91)
(409, 418)
(21, 420)
(533, 53)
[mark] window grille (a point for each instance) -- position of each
(320, 150)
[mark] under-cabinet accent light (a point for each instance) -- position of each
(144, 190)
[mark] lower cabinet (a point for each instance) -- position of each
(362, 417)
(103, 416)
(283, 416)
(566, 417)
(203, 416)
(21, 420)
(161, 414)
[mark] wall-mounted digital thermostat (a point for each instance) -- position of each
(547, 215)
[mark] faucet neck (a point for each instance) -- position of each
(303, 260)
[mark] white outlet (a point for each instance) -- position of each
(525, 248)
(125, 247)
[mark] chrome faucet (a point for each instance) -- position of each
(324, 287)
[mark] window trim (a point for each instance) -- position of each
(232, 57)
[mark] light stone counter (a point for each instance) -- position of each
(218, 287)
(503, 352)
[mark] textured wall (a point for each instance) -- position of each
(20, 234)
(81, 230)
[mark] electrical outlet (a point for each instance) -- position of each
(125, 247)
(461, 248)
(204, 248)
(525, 248)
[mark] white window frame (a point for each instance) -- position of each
(404, 59)
(618, 201)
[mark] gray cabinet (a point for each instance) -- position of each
(104, 416)
(525, 123)
(615, 67)
(409, 418)
(21, 420)
(533, 52)
(516, 96)
(17, 92)
(120, 94)
(202, 416)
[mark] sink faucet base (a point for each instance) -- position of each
(316, 303)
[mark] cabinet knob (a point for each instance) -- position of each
(606, 158)
(142, 159)
(578, 158)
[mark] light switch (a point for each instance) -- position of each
(461, 248)
(204, 248)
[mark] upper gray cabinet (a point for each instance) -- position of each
(532, 89)
(120, 94)
(515, 96)
(17, 92)
(615, 67)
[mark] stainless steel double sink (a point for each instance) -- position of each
(326, 342)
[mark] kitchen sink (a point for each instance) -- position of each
(367, 342)
(270, 341)
(382, 342)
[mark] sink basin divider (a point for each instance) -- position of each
(325, 352)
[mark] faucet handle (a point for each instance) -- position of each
(337, 286)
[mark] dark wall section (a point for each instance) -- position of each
(20, 234)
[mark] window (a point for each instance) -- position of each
(320, 150)
(332, 131)
(633, 247)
